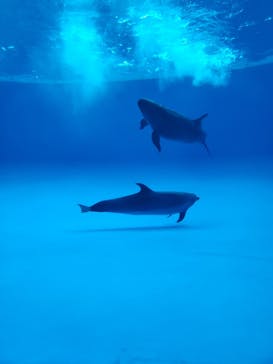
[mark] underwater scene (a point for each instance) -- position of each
(136, 182)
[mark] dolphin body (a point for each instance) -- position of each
(147, 202)
(170, 125)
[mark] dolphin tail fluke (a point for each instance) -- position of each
(203, 116)
(181, 216)
(198, 121)
(207, 148)
(84, 208)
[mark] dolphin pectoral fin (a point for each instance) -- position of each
(143, 123)
(156, 140)
(181, 216)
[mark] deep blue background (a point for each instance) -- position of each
(50, 124)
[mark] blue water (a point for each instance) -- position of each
(113, 288)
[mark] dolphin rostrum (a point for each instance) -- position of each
(170, 125)
(147, 202)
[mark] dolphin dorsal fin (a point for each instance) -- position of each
(144, 188)
(197, 122)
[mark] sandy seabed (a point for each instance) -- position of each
(106, 288)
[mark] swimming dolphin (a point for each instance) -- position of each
(171, 125)
(147, 202)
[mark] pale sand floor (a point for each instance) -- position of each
(80, 288)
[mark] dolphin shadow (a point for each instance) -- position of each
(140, 229)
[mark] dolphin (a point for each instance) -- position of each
(147, 202)
(169, 124)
